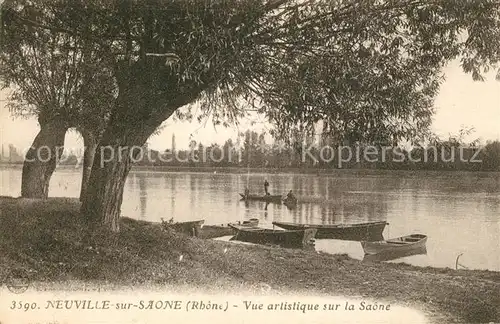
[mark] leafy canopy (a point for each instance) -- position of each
(368, 69)
(53, 75)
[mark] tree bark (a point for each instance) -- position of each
(101, 204)
(90, 145)
(41, 159)
(141, 106)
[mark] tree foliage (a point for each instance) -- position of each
(369, 69)
(375, 75)
(52, 74)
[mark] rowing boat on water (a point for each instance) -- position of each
(370, 231)
(287, 239)
(403, 243)
(267, 198)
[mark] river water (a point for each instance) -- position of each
(460, 212)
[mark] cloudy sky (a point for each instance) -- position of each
(461, 102)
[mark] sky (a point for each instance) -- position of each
(461, 102)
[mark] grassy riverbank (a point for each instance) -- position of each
(47, 240)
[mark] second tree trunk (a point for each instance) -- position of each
(41, 159)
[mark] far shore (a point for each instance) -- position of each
(48, 241)
(289, 170)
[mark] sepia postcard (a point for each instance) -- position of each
(249, 161)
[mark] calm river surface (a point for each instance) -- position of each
(460, 212)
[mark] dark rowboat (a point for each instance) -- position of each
(266, 198)
(393, 255)
(371, 231)
(191, 228)
(399, 244)
(287, 239)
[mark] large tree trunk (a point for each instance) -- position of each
(101, 204)
(90, 144)
(142, 105)
(41, 159)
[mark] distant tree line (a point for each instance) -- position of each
(252, 151)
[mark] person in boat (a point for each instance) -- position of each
(290, 197)
(266, 187)
(247, 193)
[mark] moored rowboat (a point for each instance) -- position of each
(252, 222)
(191, 228)
(371, 231)
(400, 244)
(288, 239)
(214, 231)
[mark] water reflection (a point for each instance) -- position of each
(173, 186)
(143, 194)
(341, 208)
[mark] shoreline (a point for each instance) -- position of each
(300, 171)
(47, 239)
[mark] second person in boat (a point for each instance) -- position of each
(290, 197)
